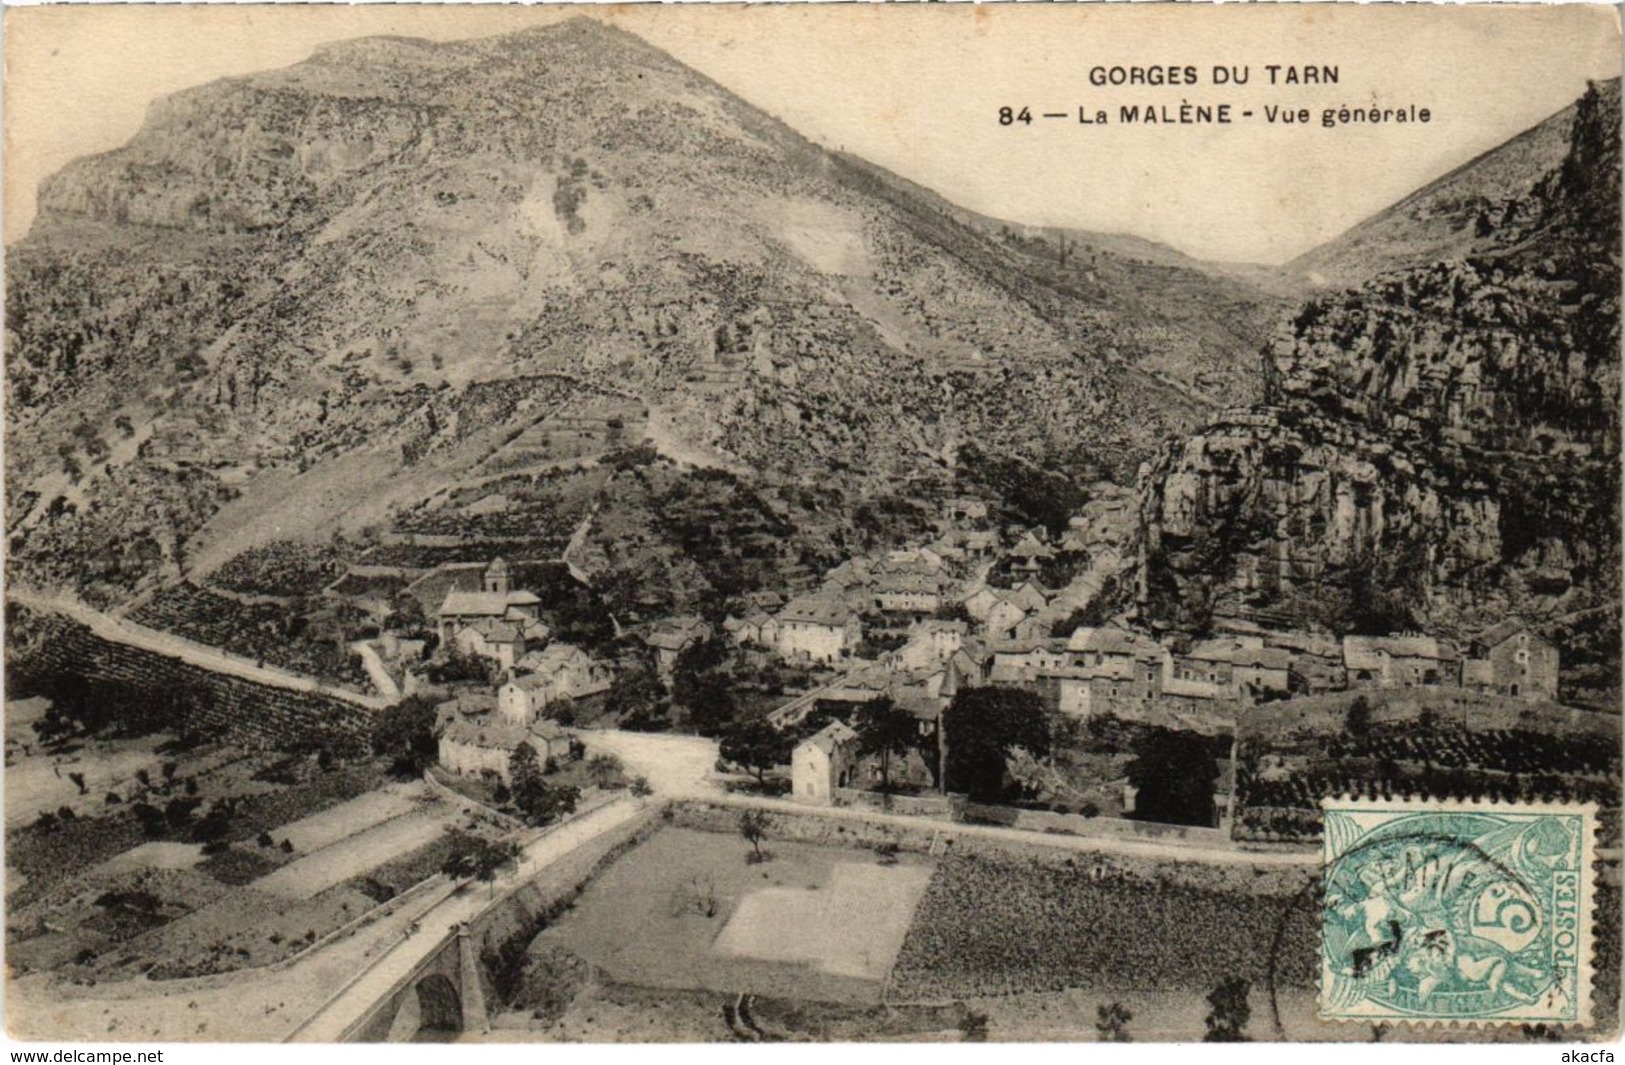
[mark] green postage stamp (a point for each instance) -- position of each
(1474, 913)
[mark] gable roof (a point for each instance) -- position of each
(1109, 640)
(1496, 635)
(466, 706)
(1030, 546)
(816, 610)
(461, 604)
(498, 735)
(832, 735)
(1367, 652)
(1239, 654)
(673, 634)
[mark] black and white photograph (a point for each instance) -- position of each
(827, 523)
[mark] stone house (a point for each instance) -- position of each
(1241, 667)
(1003, 617)
(755, 629)
(502, 641)
(930, 644)
(673, 636)
(1030, 553)
(823, 762)
(908, 592)
(559, 672)
(474, 747)
(1020, 662)
(1399, 662)
(817, 628)
(1512, 659)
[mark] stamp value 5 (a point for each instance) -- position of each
(1456, 912)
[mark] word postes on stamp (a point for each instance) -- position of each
(1456, 912)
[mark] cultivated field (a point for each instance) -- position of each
(1011, 925)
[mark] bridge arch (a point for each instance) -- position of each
(433, 1008)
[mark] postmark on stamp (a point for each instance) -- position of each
(1456, 912)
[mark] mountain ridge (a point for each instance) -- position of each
(287, 274)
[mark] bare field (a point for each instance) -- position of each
(686, 911)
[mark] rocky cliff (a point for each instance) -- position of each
(1438, 447)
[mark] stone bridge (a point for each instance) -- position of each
(442, 979)
(440, 996)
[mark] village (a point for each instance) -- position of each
(866, 665)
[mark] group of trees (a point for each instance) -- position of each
(472, 857)
(985, 730)
(539, 802)
(636, 699)
(404, 736)
(1173, 774)
(757, 747)
(982, 727)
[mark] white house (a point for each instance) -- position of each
(818, 627)
(824, 762)
(930, 643)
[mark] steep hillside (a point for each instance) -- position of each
(1465, 212)
(1440, 446)
(294, 286)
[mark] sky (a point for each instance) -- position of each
(918, 89)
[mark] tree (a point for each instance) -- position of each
(885, 730)
(756, 746)
(404, 735)
(153, 825)
(753, 826)
(473, 857)
(460, 666)
(524, 773)
(700, 682)
(1358, 722)
(78, 781)
(604, 769)
(1111, 1021)
(213, 829)
(178, 813)
(636, 696)
(981, 727)
(973, 1026)
(1174, 773)
(1228, 1012)
(549, 803)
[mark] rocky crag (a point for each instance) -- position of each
(1438, 447)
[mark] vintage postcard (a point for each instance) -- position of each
(812, 523)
